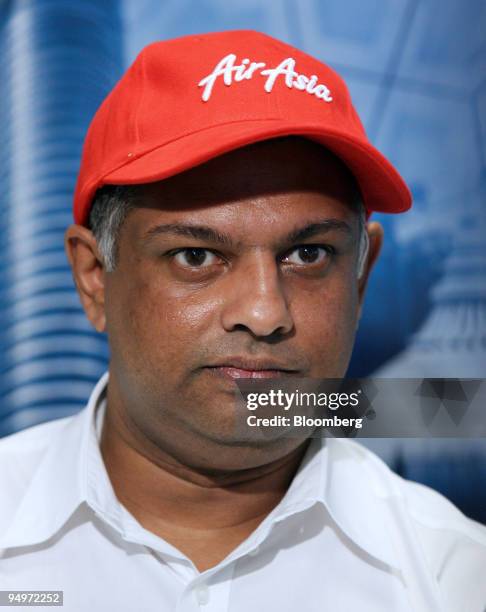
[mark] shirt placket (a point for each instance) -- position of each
(208, 592)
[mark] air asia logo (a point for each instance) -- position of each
(246, 70)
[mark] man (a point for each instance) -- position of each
(222, 232)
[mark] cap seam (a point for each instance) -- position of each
(303, 132)
(137, 156)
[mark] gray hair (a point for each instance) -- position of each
(364, 240)
(111, 206)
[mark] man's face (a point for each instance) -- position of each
(248, 262)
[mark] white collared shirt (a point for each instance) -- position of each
(349, 534)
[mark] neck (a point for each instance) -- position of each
(203, 514)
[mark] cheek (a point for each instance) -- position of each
(156, 328)
(325, 321)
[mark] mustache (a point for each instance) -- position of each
(253, 357)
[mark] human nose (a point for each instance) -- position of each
(256, 300)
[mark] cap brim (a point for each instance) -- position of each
(382, 187)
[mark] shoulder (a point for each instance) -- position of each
(426, 508)
(452, 546)
(31, 440)
(21, 454)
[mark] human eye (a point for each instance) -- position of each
(194, 257)
(308, 255)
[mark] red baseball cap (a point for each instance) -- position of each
(187, 100)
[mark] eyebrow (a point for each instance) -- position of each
(209, 234)
(319, 227)
(200, 232)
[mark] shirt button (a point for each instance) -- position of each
(202, 594)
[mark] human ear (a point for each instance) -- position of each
(88, 272)
(375, 236)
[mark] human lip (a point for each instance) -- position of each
(241, 367)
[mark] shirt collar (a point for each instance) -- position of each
(357, 495)
(336, 473)
(333, 472)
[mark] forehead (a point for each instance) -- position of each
(279, 181)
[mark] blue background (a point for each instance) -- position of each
(416, 71)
